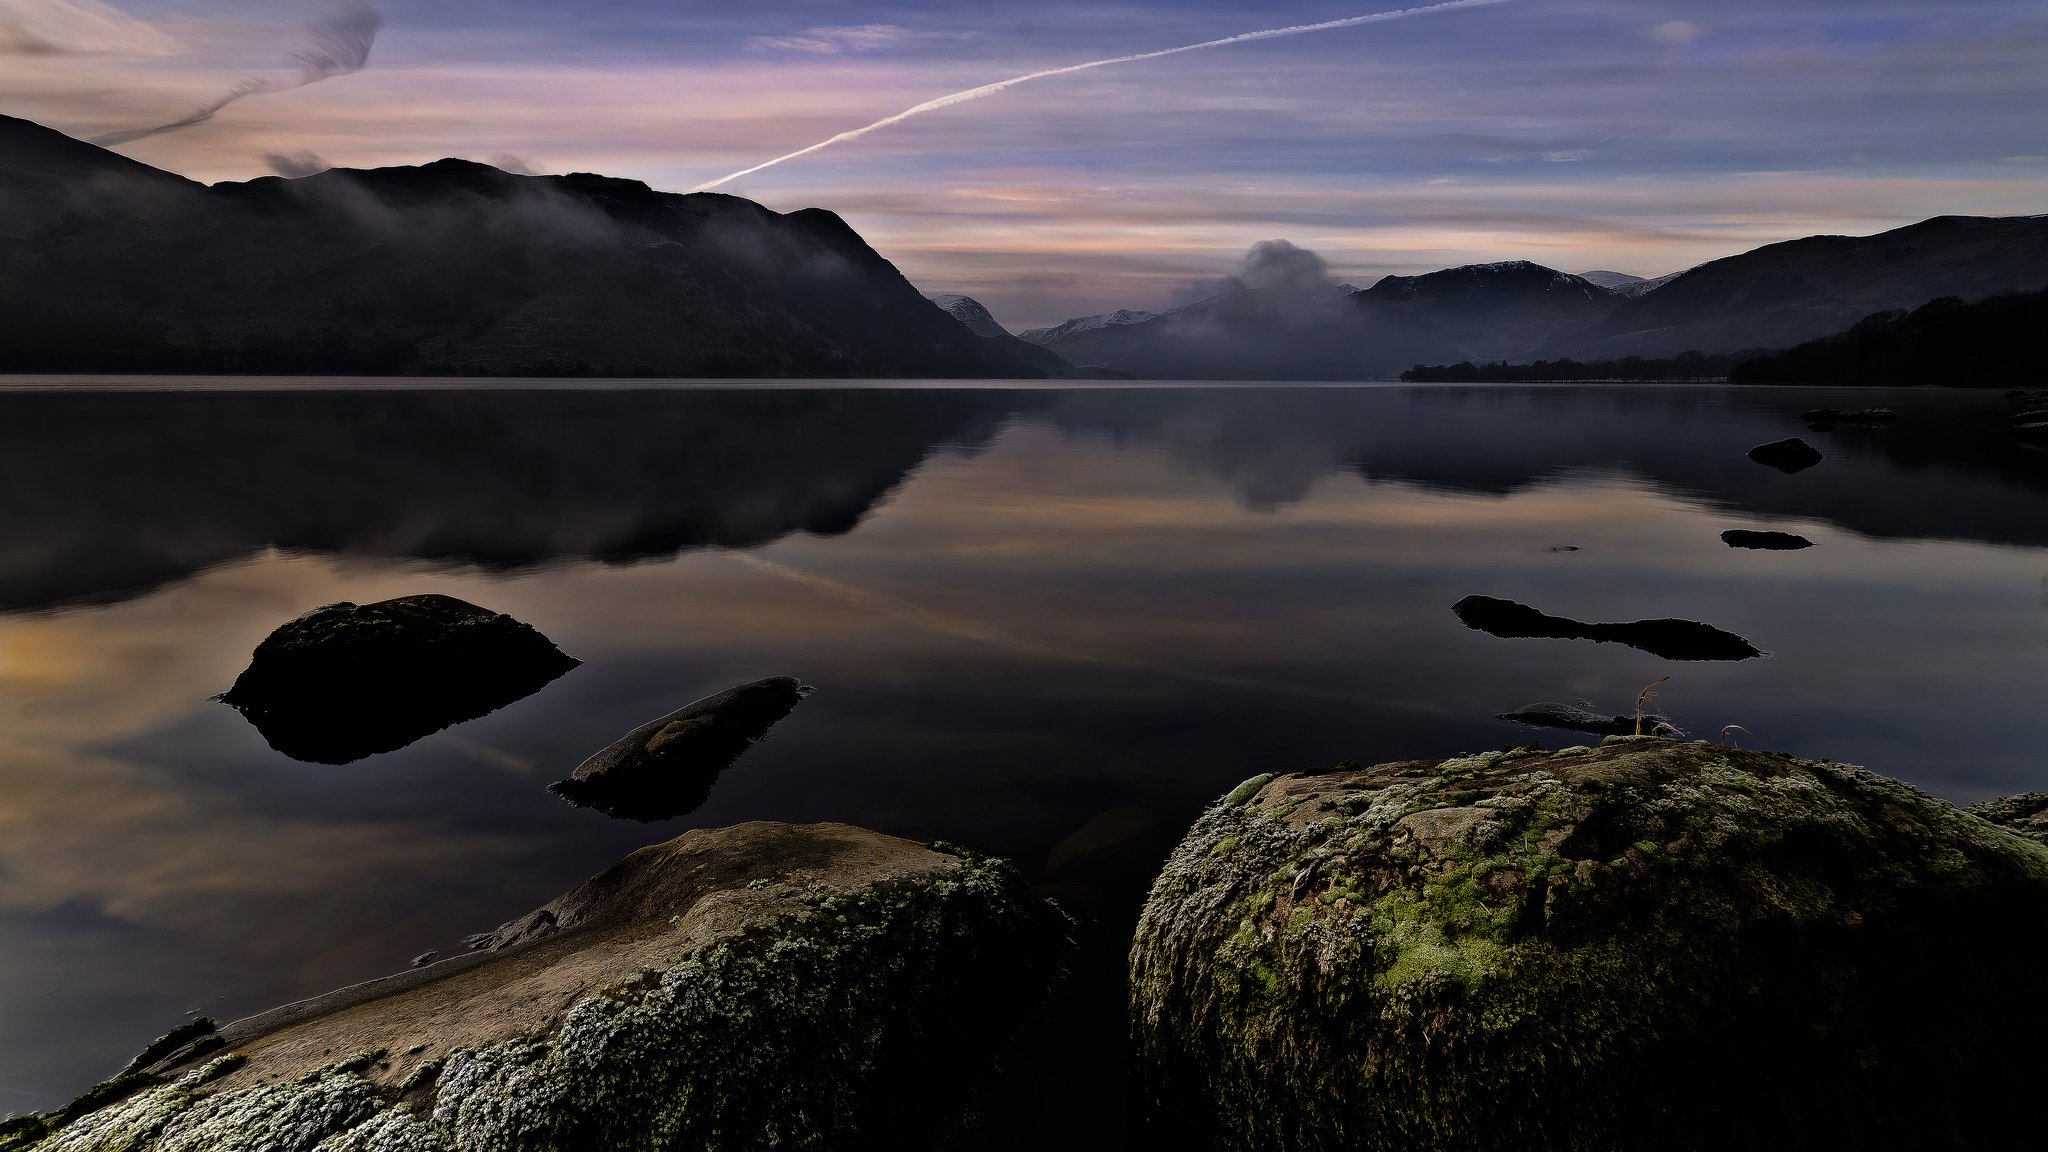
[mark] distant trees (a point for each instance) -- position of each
(1995, 342)
(1684, 366)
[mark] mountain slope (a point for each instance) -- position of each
(1783, 294)
(1992, 343)
(450, 267)
(976, 318)
(1497, 311)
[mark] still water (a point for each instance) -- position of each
(1049, 624)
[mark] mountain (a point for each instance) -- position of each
(1280, 332)
(1783, 294)
(1995, 342)
(1082, 324)
(1497, 311)
(976, 318)
(451, 267)
(1613, 281)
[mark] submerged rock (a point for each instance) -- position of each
(1765, 541)
(665, 768)
(1869, 416)
(2038, 416)
(2026, 813)
(1788, 456)
(762, 986)
(351, 680)
(1581, 719)
(1671, 639)
(1656, 944)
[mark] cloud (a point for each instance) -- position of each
(1675, 32)
(831, 41)
(517, 165)
(83, 27)
(293, 165)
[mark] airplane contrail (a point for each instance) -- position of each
(998, 86)
(341, 45)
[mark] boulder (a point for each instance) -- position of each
(665, 768)
(1764, 541)
(761, 986)
(351, 680)
(1671, 639)
(1788, 456)
(1651, 944)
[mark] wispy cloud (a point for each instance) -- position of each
(834, 40)
(87, 27)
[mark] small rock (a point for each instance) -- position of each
(1765, 541)
(424, 959)
(1788, 456)
(665, 767)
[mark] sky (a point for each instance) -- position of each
(1643, 136)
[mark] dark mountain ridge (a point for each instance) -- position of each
(451, 267)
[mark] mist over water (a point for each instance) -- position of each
(1050, 624)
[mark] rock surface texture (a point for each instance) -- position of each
(765, 985)
(1652, 944)
(351, 680)
(665, 768)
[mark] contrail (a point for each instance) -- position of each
(341, 44)
(998, 86)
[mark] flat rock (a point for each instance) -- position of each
(665, 767)
(347, 681)
(1764, 541)
(1671, 639)
(1654, 944)
(1578, 718)
(766, 985)
(1791, 455)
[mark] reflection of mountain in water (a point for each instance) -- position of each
(1950, 470)
(104, 494)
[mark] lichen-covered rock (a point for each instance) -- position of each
(1654, 944)
(351, 680)
(763, 986)
(665, 768)
(2026, 813)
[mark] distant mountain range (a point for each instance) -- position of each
(1773, 297)
(108, 265)
(451, 267)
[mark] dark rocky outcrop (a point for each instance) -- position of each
(351, 680)
(1671, 639)
(1653, 944)
(665, 767)
(1787, 456)
(1764, 541)
(761, 986)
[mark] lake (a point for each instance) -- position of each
(1049, 623)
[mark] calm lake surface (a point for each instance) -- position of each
(1050, 624)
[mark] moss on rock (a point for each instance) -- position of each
(796, 1014)
(1652, 944)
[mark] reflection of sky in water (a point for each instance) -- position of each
(1094, 604)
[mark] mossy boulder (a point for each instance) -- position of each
(762, 986)
(347, 681)
(1653, 944)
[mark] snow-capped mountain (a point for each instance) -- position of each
(1075, 327)
(968, 311)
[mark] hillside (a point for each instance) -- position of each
(1988, 343)
(450, 267)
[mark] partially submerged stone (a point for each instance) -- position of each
(1790, 455)
(1657, 944)
(347, 681)
(1671, 639)
(1576, 718)
(665, 768)
(762, 986)
(1764, 541)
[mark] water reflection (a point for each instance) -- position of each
(1046, 624)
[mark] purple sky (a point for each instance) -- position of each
(1639, 135)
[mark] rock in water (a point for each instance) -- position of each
(1764, 541)
(1580, 718)
(1654, 944)
(665, 768)
(1870, 416)
(1788, 456)
(1671, 639)
(352, 680)
(762, 986)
